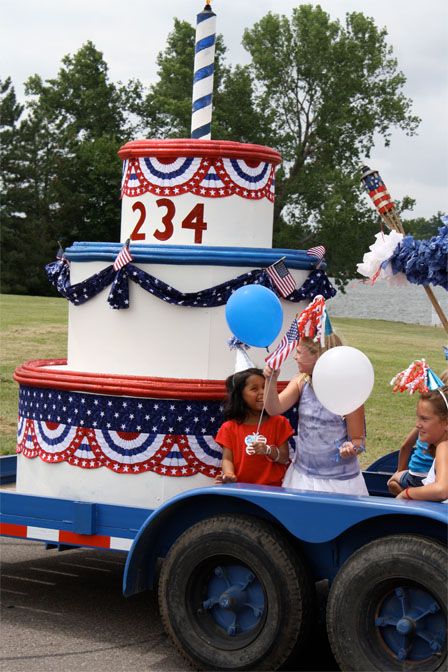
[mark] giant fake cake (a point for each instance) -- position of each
(130, 416)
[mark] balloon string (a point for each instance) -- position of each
(264, 404)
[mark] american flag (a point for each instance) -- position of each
(123, 257)
(281, 278)
(286, 345)
(318, 251)
(377, 190)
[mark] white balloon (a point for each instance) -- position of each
(343, 379)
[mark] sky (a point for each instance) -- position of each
(36, 34)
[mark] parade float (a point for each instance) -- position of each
(131, 414)
(127, 422)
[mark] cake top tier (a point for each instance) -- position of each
(198, 192)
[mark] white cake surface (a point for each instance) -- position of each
(155, 338)
(62, 480)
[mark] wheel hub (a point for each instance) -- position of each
(411, 624)
(235, 599)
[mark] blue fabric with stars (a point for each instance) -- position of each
(58, 273)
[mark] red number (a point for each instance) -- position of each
(135, 235)
(195, 220)
(167, 219)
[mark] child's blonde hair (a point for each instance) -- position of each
(315, 348)
(444, 376)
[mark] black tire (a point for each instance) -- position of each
(214, 551)
(376, 607)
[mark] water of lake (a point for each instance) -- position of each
(384, 302)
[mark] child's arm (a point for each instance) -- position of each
(406, 449)
(356, 433)
(228, 469)
(276, 403)
(437, 491)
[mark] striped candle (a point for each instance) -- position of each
(204, 67)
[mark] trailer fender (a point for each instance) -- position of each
(312, 517)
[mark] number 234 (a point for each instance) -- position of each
(194, 220)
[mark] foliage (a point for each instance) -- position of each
(328, 89)
(422, 228)
(64, 172)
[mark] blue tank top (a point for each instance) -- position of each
(421, 459)
(320, 433)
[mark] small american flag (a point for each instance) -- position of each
(281, 278)
(286, 345)
(123, 257)
(377, 190)
(318, 251)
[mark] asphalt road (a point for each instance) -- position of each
(65, 611)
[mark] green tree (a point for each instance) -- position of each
(66, 169)
(422, 228)
(329, 90)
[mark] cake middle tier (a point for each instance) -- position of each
(157, 334)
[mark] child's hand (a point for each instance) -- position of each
(222, 478)
(259, 448)
(348, 449)
(271, 373)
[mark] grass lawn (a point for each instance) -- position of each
(36, 328)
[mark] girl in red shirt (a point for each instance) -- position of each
(249, 457)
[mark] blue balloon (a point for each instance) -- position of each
(254, 315)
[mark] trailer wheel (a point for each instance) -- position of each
(387, 606)
(234, 596)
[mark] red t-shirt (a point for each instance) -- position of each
(255, 468)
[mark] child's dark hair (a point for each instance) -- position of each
(235, 407)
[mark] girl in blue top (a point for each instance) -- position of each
(326, 457)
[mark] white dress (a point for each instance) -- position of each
(431, 478)
(298, 481)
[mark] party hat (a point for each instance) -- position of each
(328, 327)
(242, 359)
(313, 322)
(418, 377)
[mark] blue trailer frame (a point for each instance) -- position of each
(324, 529)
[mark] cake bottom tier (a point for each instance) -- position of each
(115, 439)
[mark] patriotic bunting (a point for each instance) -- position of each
(58, 273)
(208, 177)
(128, 435)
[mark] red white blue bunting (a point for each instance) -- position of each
(122, 452)
(128, 435)
(123, 434)
(211, 178)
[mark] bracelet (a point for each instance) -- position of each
(408, 496)
(270, 451)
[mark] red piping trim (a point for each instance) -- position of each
(205, 148)
(38, 373)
